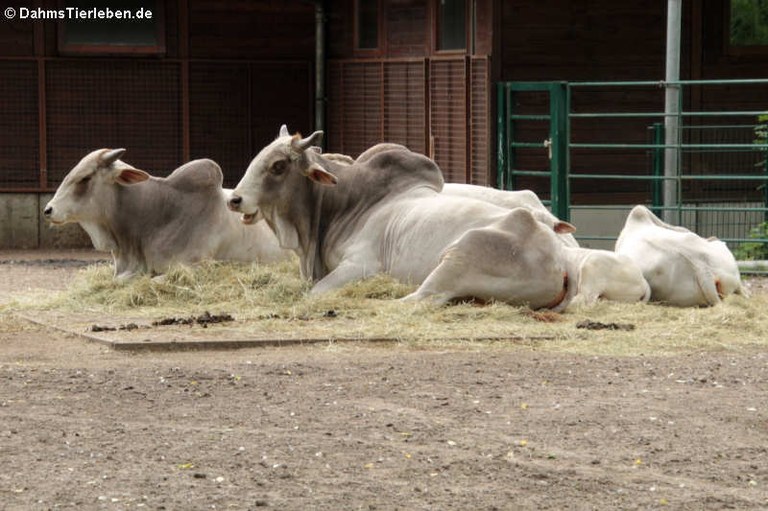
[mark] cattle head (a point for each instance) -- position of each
(276, 173)
(87, 193)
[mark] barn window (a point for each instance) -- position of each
(367, 24)
(748, 25)
(451, 24)
(124, 27)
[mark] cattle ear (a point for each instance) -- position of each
(131, 176)
(111, 156)
(562, 227)
(319, 175)
(283, 131)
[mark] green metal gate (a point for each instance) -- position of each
(556, 145)
(722, 153)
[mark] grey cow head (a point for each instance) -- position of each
(87, 192)
(272, 179)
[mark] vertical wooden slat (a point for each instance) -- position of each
(382, 99)
(480, 132)
(468, 120)
(427, 111)
(404, 104)
(448, 123)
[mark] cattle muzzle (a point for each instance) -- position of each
(48, 214)
(235, 204)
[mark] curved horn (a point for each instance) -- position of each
(283, 131)
(302, 145)
(111, 156)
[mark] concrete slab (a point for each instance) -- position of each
(143, 336)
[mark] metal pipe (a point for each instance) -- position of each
(651, 83)
(672, 111)
(319, 65)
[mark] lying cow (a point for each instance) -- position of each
(602, 274)
(681, 267)
(511, 199)
(506, 199)
(385, 214)
(149, 223)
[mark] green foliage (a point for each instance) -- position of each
(749, 22)
(761, 129)
(754, 250)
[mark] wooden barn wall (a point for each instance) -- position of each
(405, 92)
(232, 73)
(583, 40)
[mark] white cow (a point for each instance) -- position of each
(510, 199)
(681, 267)
(602, 274)
(149, 222)
(505, 199)
(384, 213)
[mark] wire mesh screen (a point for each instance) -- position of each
(723, 158)
(19, 149)
(727, 208)
(237, 108)
(132, 104)
(87, 104)
(281, 93)
(219, 126)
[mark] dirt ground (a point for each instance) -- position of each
(369, 427)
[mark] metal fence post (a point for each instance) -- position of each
(657, 168)
(765, 184)
(558, 128)
(502, 140)
(509, 102)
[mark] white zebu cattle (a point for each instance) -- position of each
(506, 199)
(681, 267)
(602, 274)
(385, 214)
(510, 199)
(149, 222)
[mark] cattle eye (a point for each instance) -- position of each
(278, 167)
(85, 180)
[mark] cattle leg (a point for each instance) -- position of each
(432, 289)
(456, 276)
(345, 273)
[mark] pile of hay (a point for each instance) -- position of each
(272, 300)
